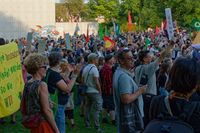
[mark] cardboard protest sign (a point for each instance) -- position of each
(11, 80)
(68, 43)
(41, 46)
(29, 41)
(170, 27)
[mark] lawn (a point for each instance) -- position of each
(80, 128)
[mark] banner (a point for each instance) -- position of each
(11, 80)
(170, 28)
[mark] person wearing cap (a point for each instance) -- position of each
(106, 75)
(93, 97)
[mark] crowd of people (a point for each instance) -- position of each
(128, 82)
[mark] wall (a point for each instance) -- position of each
(17, 17)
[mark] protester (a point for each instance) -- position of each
(93, 91)
(35, 100)
(146, 72)
(127, 96)
(184, 80)
(65, 73)
(106, 76)
(59, 88)
(163, 76)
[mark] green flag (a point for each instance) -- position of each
(117, 32)
(196, 24)
(106, 31)
(100, 31)
(147, 42)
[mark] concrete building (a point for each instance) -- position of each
(17, 17)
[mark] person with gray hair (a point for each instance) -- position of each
(93, 96)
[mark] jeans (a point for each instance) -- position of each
(163, 91)
(60, 118)
(93, 101)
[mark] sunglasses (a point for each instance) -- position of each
(44, 66)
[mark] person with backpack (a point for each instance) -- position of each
(35, 105)
(176, 113)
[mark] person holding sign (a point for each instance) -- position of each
(35, 105)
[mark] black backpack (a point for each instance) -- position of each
(171, 124)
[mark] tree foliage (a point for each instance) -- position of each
(146, 12)
(107, 8)
(71, 10)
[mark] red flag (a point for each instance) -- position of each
(152, 36)
(87, 36)
(129, 17)
(157, 30)
(165, 24)
(129, 21)
(109, 44)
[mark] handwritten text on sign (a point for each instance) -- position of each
(11, 81)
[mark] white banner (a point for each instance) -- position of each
(170, 27)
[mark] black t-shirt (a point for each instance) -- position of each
(53, 78)
(162, 80)
(157, 107)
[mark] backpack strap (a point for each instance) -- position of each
(166, 101)
(187, 110)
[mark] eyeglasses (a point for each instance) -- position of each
(44, 66)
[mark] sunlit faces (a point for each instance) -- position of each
(148, 58)
(42, 70)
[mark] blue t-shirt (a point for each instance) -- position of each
(123, 83)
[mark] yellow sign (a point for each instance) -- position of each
(11, 81)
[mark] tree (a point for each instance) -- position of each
(107, 8)
(71, 10)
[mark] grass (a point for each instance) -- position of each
(80, 128)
